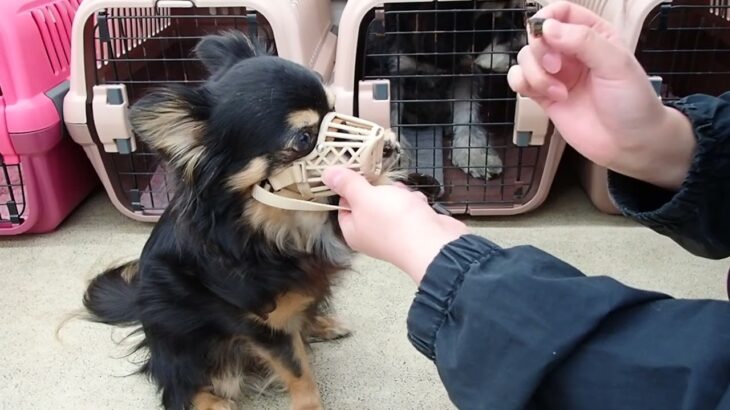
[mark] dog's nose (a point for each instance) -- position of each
(390, 149)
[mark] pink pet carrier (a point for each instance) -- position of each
(43, 174)
(685, 46)
(124, 47)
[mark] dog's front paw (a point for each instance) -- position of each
(471, 153)
(324, 329)
(208, 401)
(495, 58)
(316, 406)
(425, 184)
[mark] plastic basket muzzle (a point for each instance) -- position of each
(343, 140)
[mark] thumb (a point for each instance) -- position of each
(346, 183)
(600, 50)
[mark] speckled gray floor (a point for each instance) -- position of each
(43, 278)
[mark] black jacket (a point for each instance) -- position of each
(520, 329)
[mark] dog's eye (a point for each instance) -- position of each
(303, 142)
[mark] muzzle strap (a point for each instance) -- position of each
(263, 195)
(343, 140)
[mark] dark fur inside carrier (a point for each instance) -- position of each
(446, 63)
(151, 47)
(687, 44)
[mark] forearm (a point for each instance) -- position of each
(695, 214)
(502, 324)
(417, 252)
(666, 163)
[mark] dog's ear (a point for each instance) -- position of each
(172, 121)
(219, 52)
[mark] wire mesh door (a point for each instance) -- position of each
(144, 48)
(687, 43)
(12, 194)
(451, 105)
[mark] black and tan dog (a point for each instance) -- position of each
(226, 286)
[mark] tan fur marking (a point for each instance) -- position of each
(324, 328)
(169, 128)
(130, 271)
(287, 229)
(228, 387)
(254, 173)
(287, 315)
(302, 390)
(207, 401)
(303, 119)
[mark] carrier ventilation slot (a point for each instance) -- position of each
(53, 22)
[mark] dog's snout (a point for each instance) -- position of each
(391, 149)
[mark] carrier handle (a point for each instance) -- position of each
(374, 102)
(174, 4)
(531, 123)
(110, 106)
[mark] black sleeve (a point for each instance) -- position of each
(697, 216)
(519, 329)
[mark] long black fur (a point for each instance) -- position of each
(208, 271)
(110, 298)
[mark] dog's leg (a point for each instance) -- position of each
(470, 148)
(208, 401)
(323, 328)
(496, 57)
(287, 357)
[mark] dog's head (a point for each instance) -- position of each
(253, 116)
(254, 113)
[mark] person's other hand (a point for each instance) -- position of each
(600, 98)
(391, 223)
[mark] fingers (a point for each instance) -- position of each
(421, 196)
(519, 84)
(598, 51)
(346, 183)
(569, 12)
(347, 224)
(534, 77)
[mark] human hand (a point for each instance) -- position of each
(391, 223)
(600, 99)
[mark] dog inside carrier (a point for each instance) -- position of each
(446, 65)
(134, 50)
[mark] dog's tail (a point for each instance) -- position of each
(110, 296)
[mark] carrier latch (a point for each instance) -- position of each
(374, 101)
(110, 107)
(531, 123)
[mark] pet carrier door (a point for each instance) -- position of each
(436, 73)
(685, 46)
(125, 47)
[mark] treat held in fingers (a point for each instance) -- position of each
(535, 26)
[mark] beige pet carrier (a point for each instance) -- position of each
(123, 47)
(436, 73)
(685, 45)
